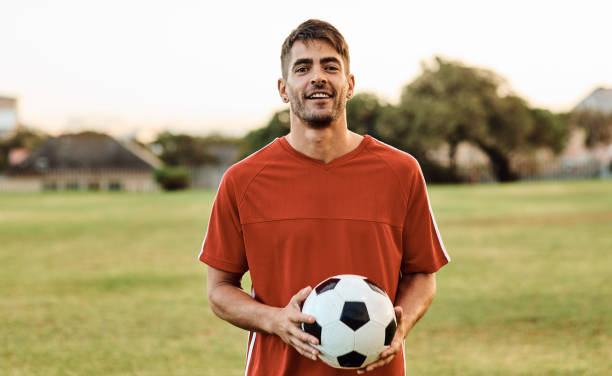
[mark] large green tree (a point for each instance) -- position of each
(363, 112)
(450, 102)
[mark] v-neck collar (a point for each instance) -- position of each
(313, 161)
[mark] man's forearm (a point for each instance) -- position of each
(232, 304)
(235, 306)
(415, 293)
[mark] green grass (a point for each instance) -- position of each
(108, 284)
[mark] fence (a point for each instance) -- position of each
(209, 177)
(206, 177)
(81, 180)
(566, 169)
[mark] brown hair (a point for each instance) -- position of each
(315, 30)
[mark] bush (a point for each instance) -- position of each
(172, 178)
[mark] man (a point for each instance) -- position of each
(318, 202)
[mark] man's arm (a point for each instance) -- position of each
(231, 303)
(415, 293)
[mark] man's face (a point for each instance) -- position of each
(316, 84)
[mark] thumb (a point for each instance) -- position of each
(399, 312)
(301, 295)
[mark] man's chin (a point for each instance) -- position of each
(319, 122)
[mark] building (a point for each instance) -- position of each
(579, 160)
(599, 156)
(8, 116)
(209, 177)
(85, 161)
(600, 100)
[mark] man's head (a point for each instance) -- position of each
(312, 30)
(316, 79)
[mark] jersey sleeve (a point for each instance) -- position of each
(223, 246)
(423, 249)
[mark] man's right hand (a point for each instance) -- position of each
(287, 325)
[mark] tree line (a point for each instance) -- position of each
(447, 104)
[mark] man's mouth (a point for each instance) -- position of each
(319, 95)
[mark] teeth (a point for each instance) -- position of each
(319, 95)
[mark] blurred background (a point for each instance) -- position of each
(105, 107)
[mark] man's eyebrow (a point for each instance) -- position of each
(330, 59)
(302, 61)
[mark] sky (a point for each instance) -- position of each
(139, 67)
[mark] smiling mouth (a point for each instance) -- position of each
(319, 95)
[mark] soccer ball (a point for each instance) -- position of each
(355, 320)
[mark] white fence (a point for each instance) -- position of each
(80, 180)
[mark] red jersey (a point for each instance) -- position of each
(293, 221)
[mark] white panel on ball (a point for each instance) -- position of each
(337, 339)
(380, 308)
(351, 288)
(371, 358)
(327, 308)
(370, 338)
(309, 303)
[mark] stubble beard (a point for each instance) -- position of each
(315, 119)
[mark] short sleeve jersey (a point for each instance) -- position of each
(293, 221)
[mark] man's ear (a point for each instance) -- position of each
(282, 90)
(351, 86)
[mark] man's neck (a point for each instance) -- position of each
(323, 144)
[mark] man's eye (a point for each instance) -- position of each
(332, 68)
(301, 70)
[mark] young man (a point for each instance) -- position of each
(318, 202)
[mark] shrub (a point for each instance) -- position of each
(172, 178)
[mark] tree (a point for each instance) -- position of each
(278, 126)
(183, 150)
(450, 102)
(362, 113)
(23, 138)
(400, 128)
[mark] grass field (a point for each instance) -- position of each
(108, 284)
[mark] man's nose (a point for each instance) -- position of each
(318, 78)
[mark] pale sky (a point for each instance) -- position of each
(200, 66)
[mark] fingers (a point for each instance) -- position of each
(396, 346)
(300, 296)
(385, 358)
(389, 351)
(304, 337)
(304, 348)
(377, 364)
(303, 343)
(387, 355)
(302, 317)
(296, 302)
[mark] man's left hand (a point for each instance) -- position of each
(395, 348)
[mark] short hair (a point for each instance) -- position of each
(315, 30)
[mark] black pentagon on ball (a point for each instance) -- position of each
(354, 314)
(327, 285)
(390, 332)
(313, 329)
(374, 287)
(352, 359)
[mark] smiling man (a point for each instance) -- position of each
(318, 202)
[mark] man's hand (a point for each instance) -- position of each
(395, 348)
(286, 325)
